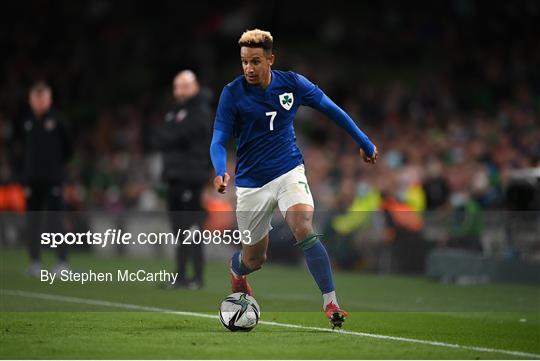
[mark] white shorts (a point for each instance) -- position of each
(255, 206)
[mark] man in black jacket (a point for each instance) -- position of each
(184, 138)
(46, 148)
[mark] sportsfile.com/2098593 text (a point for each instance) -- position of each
(119, 237)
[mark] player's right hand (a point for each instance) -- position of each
(220, 183)
(373, 158)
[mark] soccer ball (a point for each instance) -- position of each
(239, 312)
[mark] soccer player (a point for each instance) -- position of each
(258, 108)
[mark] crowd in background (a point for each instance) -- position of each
(449, 93)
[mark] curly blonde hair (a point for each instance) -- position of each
(257, 38)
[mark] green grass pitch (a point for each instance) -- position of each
(391, 317)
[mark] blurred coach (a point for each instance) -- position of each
(184, 138)
(46, 148)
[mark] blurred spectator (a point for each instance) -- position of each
(46, 147)
(184, 140)
(407, 248)
(465, 223)
(435, 186)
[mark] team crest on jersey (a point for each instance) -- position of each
(181, 115)
(286, 100)
(49, 124)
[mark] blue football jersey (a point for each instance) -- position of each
(262, 122)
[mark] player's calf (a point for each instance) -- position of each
(241, 267)
(255, 263)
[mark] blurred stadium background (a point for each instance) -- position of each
(449, 91)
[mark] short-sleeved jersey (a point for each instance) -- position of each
(262, 123)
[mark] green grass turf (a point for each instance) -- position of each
(499, 316)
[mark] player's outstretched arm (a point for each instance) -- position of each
(223, 128)
(368, 150)
(218, 154)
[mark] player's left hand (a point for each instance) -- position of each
(220, 183)
(373, 158)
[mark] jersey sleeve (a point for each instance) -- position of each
(223, 128)
(218, 152)
(309, 93)
(226, 113)
(340, 117)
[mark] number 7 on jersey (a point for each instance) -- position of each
(272, 115)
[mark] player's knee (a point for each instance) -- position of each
(302, 231)
(255, 263)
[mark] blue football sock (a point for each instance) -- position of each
(318, 263)
(238, 267)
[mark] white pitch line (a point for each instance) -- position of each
(84, 301)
